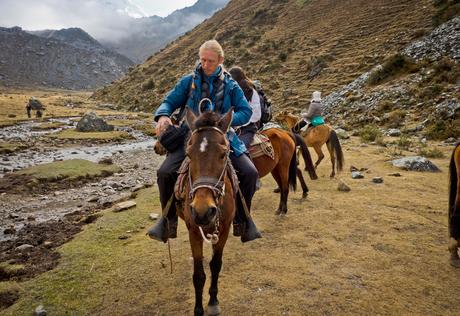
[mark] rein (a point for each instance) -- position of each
(216, 185)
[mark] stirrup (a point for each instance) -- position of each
(163, 230)
(250, 231)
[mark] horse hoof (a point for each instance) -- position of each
(278, 212)
(304, 195)
(277, 190)
(213, 310)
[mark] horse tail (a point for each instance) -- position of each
(453, 178)
(334, 139)
(292, 177)
(306, 156)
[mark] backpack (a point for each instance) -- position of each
(265, 104)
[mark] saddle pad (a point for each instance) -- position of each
(261, 146)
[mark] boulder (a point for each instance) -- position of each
(394, 132)
(341, 133)
(357, 175)
(90, 122)
(343, 187)
(415, 163)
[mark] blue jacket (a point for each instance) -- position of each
(233, 96)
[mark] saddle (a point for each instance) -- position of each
(261, 146)
(182, 179)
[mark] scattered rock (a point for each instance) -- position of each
(353, 168)
(377, 180)
(91, 122)
(154, 216)
(122, 237)
(395, 174)
(356, 175)
(106, 161)
(24, 247)
(123, 206)
(138, 187)
(343, 187)
(415, 163)
(394, 132)
(341, 133)
(93, 199)
(9, 231)
(40, 311)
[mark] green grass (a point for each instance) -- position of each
(69, 170)
(106, 136)
(7, 148)
(96, 269)
(431, 153)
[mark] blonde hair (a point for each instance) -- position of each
(214, 46)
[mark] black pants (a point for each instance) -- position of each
(299, 126)
(246, 133)
(245, 170)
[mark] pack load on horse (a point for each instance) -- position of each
(36, 105)
(454, 206)
(316, 135)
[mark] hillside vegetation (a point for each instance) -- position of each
(294, 47)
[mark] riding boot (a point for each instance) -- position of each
(250, 231)
(164, 229)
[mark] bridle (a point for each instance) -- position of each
(216, 185)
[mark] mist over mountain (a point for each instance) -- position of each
(145, 36)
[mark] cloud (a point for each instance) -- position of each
(102, 19)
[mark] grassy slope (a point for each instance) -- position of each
(68, 169)
(351, 36)
(377, 249)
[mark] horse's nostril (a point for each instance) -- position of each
(212, 211)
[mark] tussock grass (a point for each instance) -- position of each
(68, 169)
(7, 147)
(104, 136)
(393, 66)
(370, 133)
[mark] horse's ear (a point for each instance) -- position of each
(190, 118)
(226, 120)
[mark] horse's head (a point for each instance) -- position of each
(208, 150)
(286, 117)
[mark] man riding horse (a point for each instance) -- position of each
(211, 88)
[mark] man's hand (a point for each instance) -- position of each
(163, 123)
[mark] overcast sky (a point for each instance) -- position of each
(98, 17)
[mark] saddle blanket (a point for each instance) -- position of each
(261, 146)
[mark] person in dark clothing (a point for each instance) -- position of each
(210, 81)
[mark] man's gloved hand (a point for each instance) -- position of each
(162, 125)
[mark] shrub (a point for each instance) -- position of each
(282, 56)
(446, 10)
(444, 129)
(392, 67)
(370, 133)
(404, 142)
(431, 153)
(395, 118)
(148, 85)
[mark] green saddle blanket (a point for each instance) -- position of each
(317, 120)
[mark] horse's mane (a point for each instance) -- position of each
(207, 119)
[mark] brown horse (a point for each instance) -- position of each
(284, 165)
(209, 206)
(454, 207)
(316, 137)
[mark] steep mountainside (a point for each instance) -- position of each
(148, 35)
(294, 47)
(65, 59)
(73, 36)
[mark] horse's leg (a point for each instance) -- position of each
(302, 183)
(215, 266)
(281, 177)
(320, 154)
(199, 277)
(332, 155)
